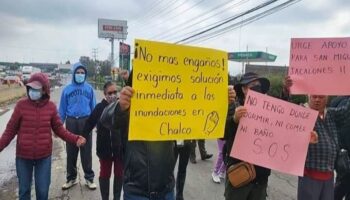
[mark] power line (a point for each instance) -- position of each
(221, 23)
(157, 11)
(194, 21)
(159, 15)
(244, 22)
(152, 6)
(176, 15)
(197, 20)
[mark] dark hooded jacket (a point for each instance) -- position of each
(344, 126)
(32, 122)
(262, 173)
(108, 142)
(148, 166)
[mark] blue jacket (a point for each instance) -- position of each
(77, 100)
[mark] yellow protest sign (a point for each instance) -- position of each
(180, 92)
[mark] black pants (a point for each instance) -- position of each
(184, 154)
(342, 187)
(201, 146)
(76, 126)
(251, 191)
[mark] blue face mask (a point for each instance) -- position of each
(79, 78)
(34, 94)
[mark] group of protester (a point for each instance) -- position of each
(145, 169)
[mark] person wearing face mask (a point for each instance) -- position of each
(256, 189)
(32, 120)
(76, 104)
(108, 145)
(148, 165)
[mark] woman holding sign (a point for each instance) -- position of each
(254, 187)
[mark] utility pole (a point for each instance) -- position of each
(95, 53)
(94, 56)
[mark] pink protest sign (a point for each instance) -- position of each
(274, 134)
(320, 66)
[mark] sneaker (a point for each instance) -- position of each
(222, 175)
(69, 184)
(91, 185)
(215, 177)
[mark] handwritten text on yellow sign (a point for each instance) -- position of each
(180, 92)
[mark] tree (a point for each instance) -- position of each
(89, 64)
(276, 84)
(14, 66)
(105, 68)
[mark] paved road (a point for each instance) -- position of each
(199, 185)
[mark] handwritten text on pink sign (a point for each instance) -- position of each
(274, 134)
(320, 66)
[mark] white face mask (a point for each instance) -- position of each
(34, 94)
(111, 98)
(79, 78)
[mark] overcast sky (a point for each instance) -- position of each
(59, 30)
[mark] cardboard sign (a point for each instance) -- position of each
(320, 66)
(274, 134)
(180, 92)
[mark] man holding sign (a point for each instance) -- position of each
(321, 66)
(318, 180)
(156, 108)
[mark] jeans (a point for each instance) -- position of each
(42, 176)
(168, 196)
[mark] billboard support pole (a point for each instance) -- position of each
(112, 51)
(122, 63)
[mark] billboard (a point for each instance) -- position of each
(108, 28)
